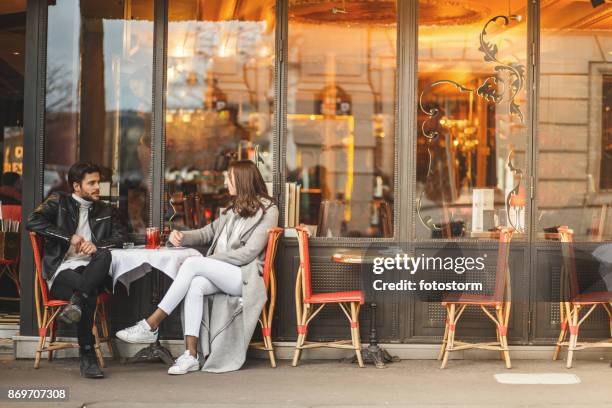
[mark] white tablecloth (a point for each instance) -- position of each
(131, 264)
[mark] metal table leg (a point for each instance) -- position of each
(152, 352)
(155, 351)
(374, 354)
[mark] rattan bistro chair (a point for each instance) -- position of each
(267, 313)
(51, 308)
(10, 266)
(572, 301)
(456, 303)
(306, 306)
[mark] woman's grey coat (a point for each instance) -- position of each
(228, 322)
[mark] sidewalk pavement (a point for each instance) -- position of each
(409, 383)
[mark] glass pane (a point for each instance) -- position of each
(98, 101)
(12, 69)
(574, 163)
(220, 101)
(472, 132)
(341, 100)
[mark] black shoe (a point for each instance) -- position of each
(89, 363)
(72, 312)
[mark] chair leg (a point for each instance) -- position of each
(355, 336)
(561, 339)
(444, 339)
(105, 331)
(573, 335)
(270, 347)
(53, 329)
(499, 340)
(42, 338)
(301, 336)
(96, 335)
(503, 337)
(451, 335)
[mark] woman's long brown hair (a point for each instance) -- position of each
(250, 188)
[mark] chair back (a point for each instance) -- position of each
(385, 213)
(302, 235)
(331, 218)
(273, 236)
(37, 245)
(502, 272)
(570, 277)
(11, 212)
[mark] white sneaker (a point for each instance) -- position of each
(185, 364)
(138, 333)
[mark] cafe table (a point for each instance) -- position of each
(373, 353)
(128, 265)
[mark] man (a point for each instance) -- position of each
(10, 191)
(78, 229)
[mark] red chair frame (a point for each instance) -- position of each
(306, 309)
(267, 313)
(51, 308)
(10, 266)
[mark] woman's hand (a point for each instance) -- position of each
(176, 237)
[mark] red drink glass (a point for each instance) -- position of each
(152, 238)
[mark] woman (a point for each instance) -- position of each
(233, 266)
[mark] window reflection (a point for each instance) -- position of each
(472, 138)
(98, 98)
(341, 102)
(220, 101)
(574, 164)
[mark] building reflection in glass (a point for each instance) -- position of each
(341, 99)
(220, 101)
(471, 84)
(98, 100)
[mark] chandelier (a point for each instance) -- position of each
(384, 12)
(353, 12)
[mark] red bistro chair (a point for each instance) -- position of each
(306, 306)
(572, 301)
(51, 309)
(267, 313)
(456, 303)
(10, 267)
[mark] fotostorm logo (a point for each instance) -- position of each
(410, 264)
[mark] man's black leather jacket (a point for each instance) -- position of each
(56, 219)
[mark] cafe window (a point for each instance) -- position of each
(605, 181)
(574, 125)
(12, 69)
(341, 101)
(98, 98)
(219, 102)
(472, 117)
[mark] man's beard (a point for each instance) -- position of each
(89, 197)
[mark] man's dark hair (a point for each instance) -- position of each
(10, 178)
(77, 172)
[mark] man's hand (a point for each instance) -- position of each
(87, 247)
(77, 241)
(176, 237)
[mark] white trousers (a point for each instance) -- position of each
(196, 278)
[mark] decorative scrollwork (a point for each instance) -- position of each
(493, 89)
(515, 190)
